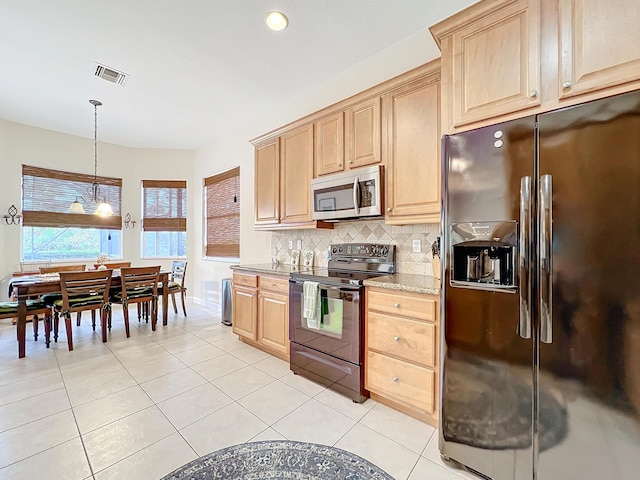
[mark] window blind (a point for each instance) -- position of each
(164, 205)
(222, 194)
(47, 195)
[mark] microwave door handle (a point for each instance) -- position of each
(356, 195)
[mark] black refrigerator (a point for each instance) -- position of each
(540, 373)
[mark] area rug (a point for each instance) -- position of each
(279, 459)
(488, 405)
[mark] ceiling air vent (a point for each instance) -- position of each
(111, 75)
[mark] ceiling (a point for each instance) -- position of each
(196, 67)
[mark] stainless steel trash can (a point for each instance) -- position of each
(227, 301)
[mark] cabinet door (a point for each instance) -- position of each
(273, 321)
(245, 312)
(413, 152)
(599, 45)
(362, 133)
(495, 63)
(296, 164)
(329, 144)
(267, 161)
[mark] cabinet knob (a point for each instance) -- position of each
(350, 161)
(396, 338)
(396, 305)
(388, 209)
(395, 379)
(566, 84)
(340, 165)
(533, 93)
(273, 284)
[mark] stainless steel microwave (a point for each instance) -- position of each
(352, 194)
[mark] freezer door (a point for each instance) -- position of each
(487, 355)
(588, 403)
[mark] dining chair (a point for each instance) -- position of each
(63, 268)
(52, 297)
(176, 284)
(82, 291)
(138, 285)
(35, 308)
(33, 267)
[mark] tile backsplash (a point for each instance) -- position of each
(375, 231)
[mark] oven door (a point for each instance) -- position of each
(339, 311)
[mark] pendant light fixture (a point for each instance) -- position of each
(103, 208)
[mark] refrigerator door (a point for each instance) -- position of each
(588, 402)
(487, 355)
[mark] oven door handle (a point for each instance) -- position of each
(321, 286)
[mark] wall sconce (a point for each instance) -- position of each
(128, 223)
(13, 218)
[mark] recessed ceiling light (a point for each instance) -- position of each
(277, 21)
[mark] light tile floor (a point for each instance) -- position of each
(140, 407)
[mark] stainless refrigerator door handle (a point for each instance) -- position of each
(546, 258)
(524, 272)
(356, 196)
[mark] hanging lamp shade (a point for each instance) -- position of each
(103, 208)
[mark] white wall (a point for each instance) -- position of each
(45, 148)
(23, 144)
(231, 149)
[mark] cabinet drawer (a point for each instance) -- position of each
(245, 279)
(408, 339)
(411, 305)
(400, 381)
(275, 284)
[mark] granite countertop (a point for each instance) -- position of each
(400, 281)
(407, 283)
(281, 269)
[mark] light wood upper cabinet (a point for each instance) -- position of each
(412, 114)
(329, 144)
(599, 45)
(267, 182)
(296, 171)
(491, 53)
(362, 133)
(505, 59)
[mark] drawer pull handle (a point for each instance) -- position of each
(273, 285)
(395, 379)
(396, 305)
(396, 338)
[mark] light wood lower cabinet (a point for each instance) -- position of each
(401, 342)
(273, 313)
(244, 312)
(261, 312)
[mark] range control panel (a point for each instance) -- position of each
(362, 252)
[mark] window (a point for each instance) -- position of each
(164, 218)
(51, 232)
(222, 203)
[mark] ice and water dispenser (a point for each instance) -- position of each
(484, 255)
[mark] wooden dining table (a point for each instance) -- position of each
(25, 287)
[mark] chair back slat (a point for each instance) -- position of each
(117, 264)
(63, 268)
